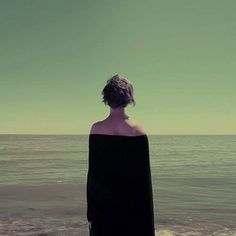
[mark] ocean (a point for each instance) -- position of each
(43, 184)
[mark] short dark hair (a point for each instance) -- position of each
(118, 92)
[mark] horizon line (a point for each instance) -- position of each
(88, 134)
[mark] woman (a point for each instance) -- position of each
(119, 186)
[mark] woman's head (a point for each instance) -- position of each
(118, 92)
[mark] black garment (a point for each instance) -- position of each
(119, 186)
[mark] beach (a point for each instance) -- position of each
(43, 210)
(43, 185)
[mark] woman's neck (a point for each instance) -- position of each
(118, 113)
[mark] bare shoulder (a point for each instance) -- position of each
(131, 127)
(95, 128)
(139, 129)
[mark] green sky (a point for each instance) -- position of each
(55, 57)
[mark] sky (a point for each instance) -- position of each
(56, 56)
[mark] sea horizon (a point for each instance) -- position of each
(88, 134)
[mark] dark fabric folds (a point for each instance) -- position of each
(119, 186)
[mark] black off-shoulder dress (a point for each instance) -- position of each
(119, 186)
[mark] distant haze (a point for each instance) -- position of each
(55, 58)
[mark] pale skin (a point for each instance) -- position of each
(117, 123)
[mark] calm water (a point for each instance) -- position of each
(194, 176)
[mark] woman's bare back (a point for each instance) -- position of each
(124, 127)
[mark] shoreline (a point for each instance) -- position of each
(60, 209)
